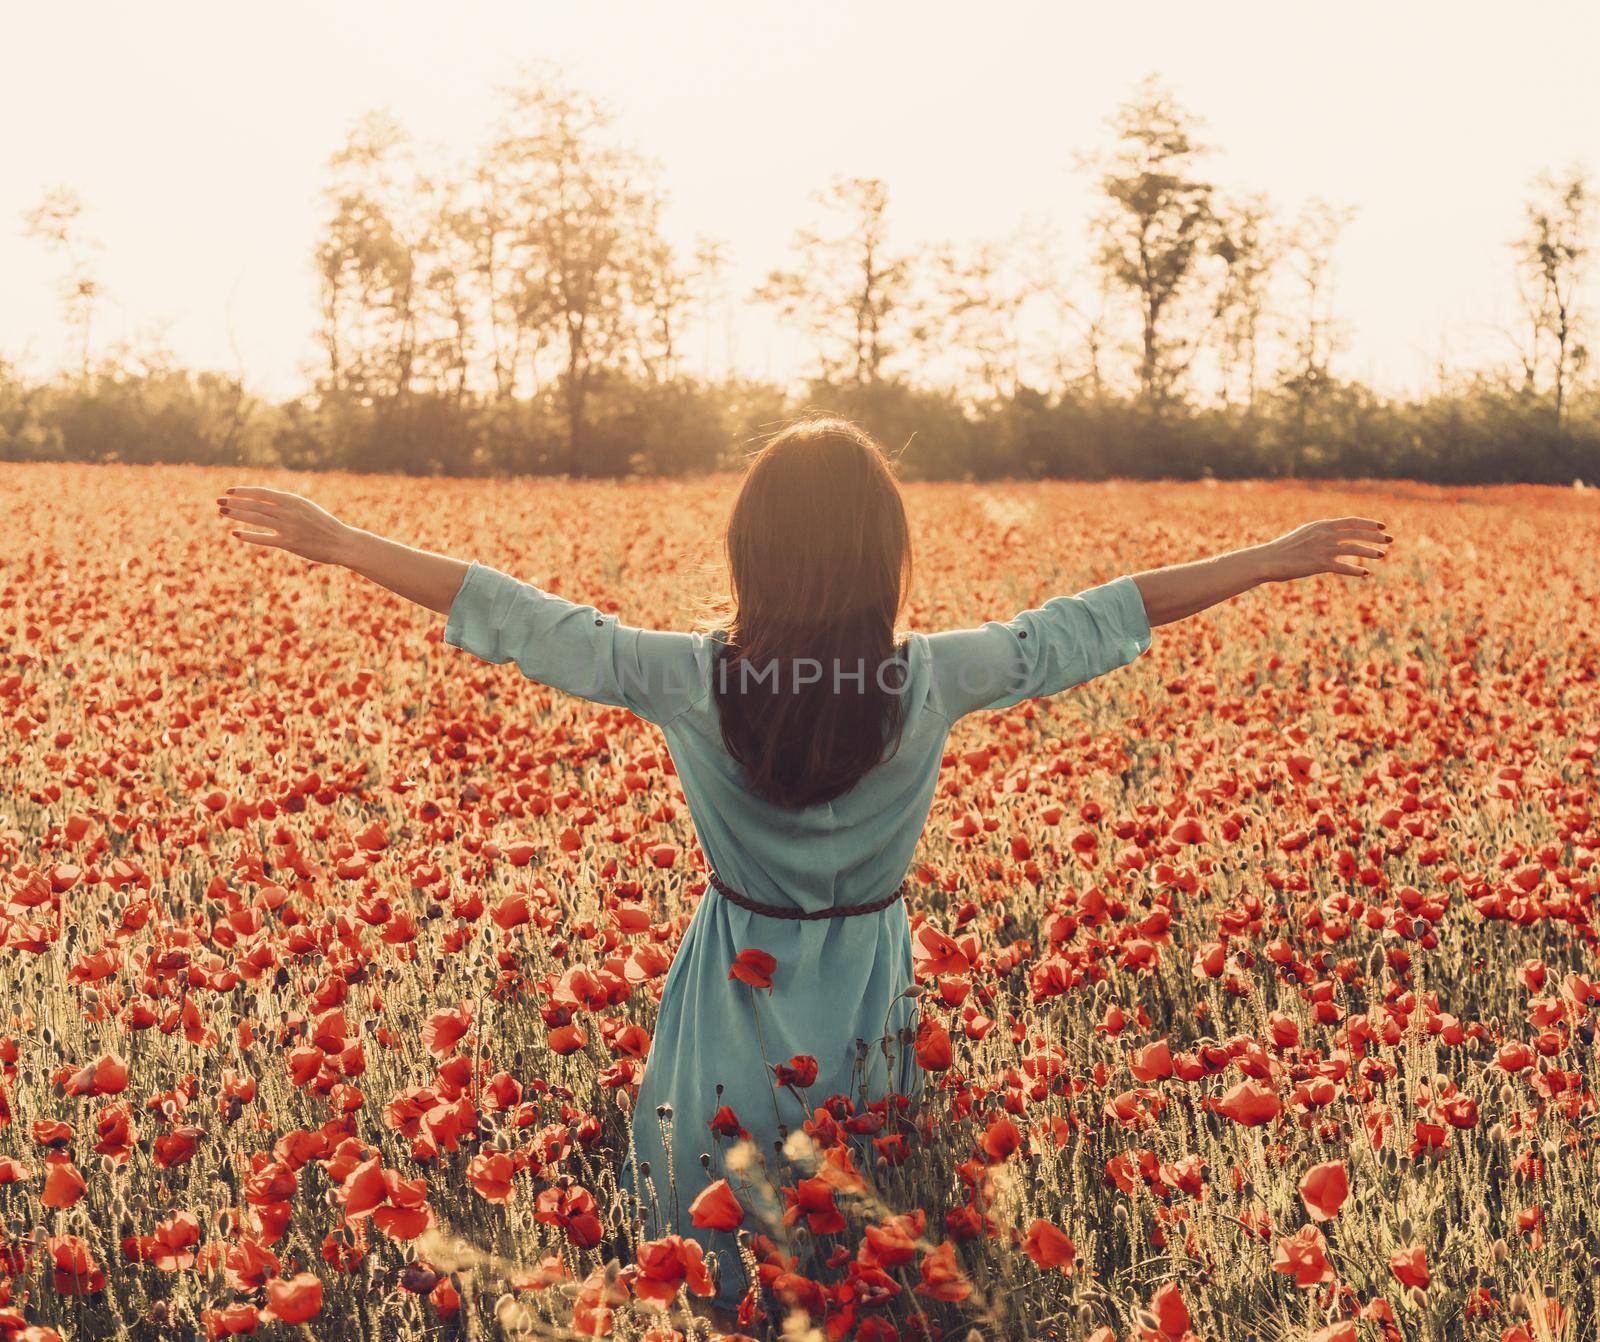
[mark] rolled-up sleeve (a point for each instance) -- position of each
(574, 648)
(1064, 642)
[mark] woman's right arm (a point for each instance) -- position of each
(1330, 546)
(1071, 639)
(284, 521)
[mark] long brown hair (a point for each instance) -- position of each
(819, 561)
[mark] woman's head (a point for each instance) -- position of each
(819, 559)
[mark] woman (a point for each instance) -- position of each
(807, 736)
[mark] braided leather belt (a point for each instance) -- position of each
(804, 915)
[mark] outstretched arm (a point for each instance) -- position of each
(1318, 547)
(284, 521)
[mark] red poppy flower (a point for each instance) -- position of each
(1304, 1256)
(445, 1029)
(1171, 1313)
(933, 1046)
(1324, 1189)
(1250, 1104)
(72, 1266)
(490, 1173)
(1001, 1139)
(1410, 1267)
(230, 1321)
(295, 1299)
(170, 1247)
(813, 1200)
(406, 1213)
(894, 1241)
(666, 1264)
(1048, 1247)
(716, 1208)
(754, 967)
(796, 1074)
(942, 1278)
(573, 1208)
(725, 1123)
(1151, 1063)
(106, 1075)
(512, 911)
(63, 1185)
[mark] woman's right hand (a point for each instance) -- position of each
(284, 521)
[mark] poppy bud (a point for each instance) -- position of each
(419, 1278)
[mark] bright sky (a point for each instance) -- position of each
(196, 134)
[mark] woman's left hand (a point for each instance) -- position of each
(1327, 546)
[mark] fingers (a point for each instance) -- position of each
(266, 538)
(250, 512)
(1349, 570)
(1368, 551)
(1356, 524)
(260, 493)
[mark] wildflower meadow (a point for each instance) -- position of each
(1257, 982)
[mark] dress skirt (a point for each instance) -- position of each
(838, 992)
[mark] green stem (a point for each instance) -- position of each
(761, 1043)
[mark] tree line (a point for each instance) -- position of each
(519, 310)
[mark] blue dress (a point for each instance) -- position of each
(837, 980)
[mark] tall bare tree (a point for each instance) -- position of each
(1071, 343)
(367, 265)
(57, 222)
(1154, 226)
(1312, 242)
(487, 224)
(708, 280)
(1247, 247)
(1552, 257)
(850, 289)
(1315, 334)
(579, 204)
(448, 248)
(973, 311)
(662, 296)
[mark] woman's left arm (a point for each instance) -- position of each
(570, 647)
(284, 521)
(1183, 590)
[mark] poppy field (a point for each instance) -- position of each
(1257, 980)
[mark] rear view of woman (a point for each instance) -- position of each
(807, 735)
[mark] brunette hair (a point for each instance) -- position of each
(819, 560)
